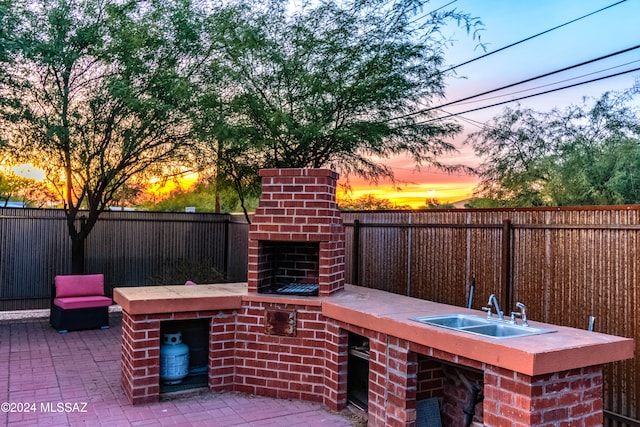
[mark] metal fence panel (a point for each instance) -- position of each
(129, 248)
(30, 251)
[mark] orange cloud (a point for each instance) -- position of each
(161, 187)
(416, 187)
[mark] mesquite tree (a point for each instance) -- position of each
(97, 93)
(582, 155)
(331, 84)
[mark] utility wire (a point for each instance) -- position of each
(550, 84)
(529, 96)
(518, 83)
(620, 52)
(511, 45)
(472, 122)
(532, 37)
(433, 11)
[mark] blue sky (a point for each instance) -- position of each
(509, 21)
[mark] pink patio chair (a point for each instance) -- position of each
(78, 302)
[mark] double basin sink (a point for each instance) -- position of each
(483, 326)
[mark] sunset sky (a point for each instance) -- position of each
(507, 22)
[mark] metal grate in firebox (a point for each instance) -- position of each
(299, 289)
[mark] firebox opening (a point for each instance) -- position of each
(289, 268)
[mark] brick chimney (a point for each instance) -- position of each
(297, 235)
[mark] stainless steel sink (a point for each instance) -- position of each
(454, 321)
(481, 325)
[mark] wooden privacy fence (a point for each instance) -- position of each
(129, 248)
(565, 264)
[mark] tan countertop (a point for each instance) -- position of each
(180, 298)
(565, 349)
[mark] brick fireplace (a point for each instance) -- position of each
(297, 236)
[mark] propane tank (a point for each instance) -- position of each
(174, 359)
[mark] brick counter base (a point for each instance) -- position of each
(313, 364)
(569, 398)
(309, 366)
(140, 378)
(397, 378)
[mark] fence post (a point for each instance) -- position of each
(409, 257)
(225, 263)
(355, 254)
(507, 282)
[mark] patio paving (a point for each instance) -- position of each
(73, 379)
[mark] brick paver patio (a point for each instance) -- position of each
(51, 379)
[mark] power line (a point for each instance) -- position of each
(600, 58)
(532, 37)
(530, 96)
(433, 11)
(540, 76)
(549, 84)
(523, 81)
(472, 122)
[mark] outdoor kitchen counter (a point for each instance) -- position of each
(388, 313)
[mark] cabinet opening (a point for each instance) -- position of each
(194, 333)
(358, 371)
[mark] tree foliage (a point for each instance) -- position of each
(583, 155)
(200, 197)
(97, 90)
(435, 203)
(331, 85)
(367, 202)
(28, 191)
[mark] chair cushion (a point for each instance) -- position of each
(79, 285)
(71, 303)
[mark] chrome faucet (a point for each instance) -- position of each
(522, 314)
(493, 302)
